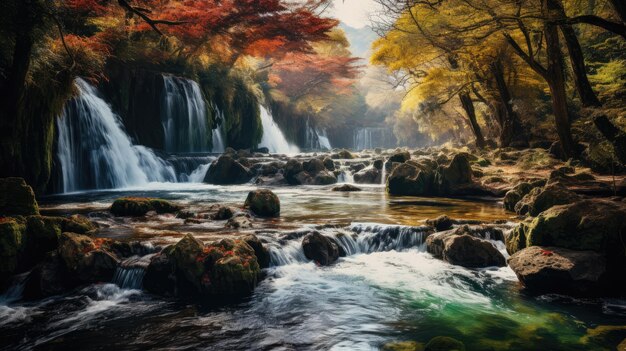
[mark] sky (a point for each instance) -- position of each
(354, 13)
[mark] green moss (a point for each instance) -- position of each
(444, 343)
(17, 198)
(11, 237)
(403, 346)
(139, 206)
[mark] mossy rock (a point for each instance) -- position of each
(17, 198)
(11, 236)
(403, 346)
(444, 343)
(342, 155)
(263, 203)
(139, 206)
(482, 162)
(541, 199)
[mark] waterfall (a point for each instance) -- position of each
(95, 152)
(359, 238)
(273, 137)
(219, 142)
(184, 116)
(383, 175)
(323, 139)
(369, 138)
(316, 140)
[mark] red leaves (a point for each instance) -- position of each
(547, 252)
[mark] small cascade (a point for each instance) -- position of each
(189, 168)
(15, 290)
(273, 137)
(383, 175)
(219, 141)
(359, 238)
(184, 116)
(345, 174)
(95, 152)
(130, 273)
(323, 139)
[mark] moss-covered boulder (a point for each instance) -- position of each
(224, 269)
(403, 346)
(11, 236)
(513, 196)
(226, 171)
(86, 259)
(263, 203)
(444, 343)
(17, 198)
(457, 172)
(540, 199)
(139, 206)
(546, 269)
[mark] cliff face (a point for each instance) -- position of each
(136, 96)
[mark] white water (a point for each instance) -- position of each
(316, 140)
(96, 153)
(323, 139)
(369, 138)
(273, 137)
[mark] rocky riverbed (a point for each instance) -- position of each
(379, 249)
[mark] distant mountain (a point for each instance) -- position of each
(360, 40)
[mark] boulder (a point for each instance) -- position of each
(541, 199)
(440, 223)
(17, 198)
(48, 278)
(139, 206)
(355, 167)
(444, 343)
(11, 236)
(557, 270)
(342, 155)
(379, 164)
(224, 269)
(458, 172)
(313, 166)
(410, 179)
(324, 178)
(85, 259)
(292, 169)
(329, 163)
(226, 171)
(263, 203)
(223, 213)
(260, 251)
(369, 175)
(320, 248)
(513, 196)
(240, 221)
(399, 157)
(346, 188)
(468, 251)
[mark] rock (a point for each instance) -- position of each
(456, 173)
(262, 150)
(342, 155)
(48, 278)
(513, 196)
(313, 166)
(224, 269)
(185, 215)
(260, 251)
(403, 346)
(11, 236)
(241, 221)
(139, 206)
(329, 163)
(263, 203)
(541, 199)
(399, 157)
(410, 179)
(444, 343)
(379, 164)
(368, 176)
(346, 188)
(226, 171)
(223, 213)
(303, 178)
(85, 258)
(355, 167)
(17, 198)
(324, 178)
(556, 270)
(482, 162)
(78, 224)
(440, 223)
(292, 169)
(468, 251)
(320, 248)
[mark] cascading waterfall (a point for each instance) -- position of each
(359, 238)
(185, 118)
(323, 139)
(219, 142)
(95, 152)
(316, 139)
(273, 137)
(130, 273)
(369, 138)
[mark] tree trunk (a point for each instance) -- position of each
(556, 77)
(577, 60)
(468, 106)
(616, 136)
(511, 129)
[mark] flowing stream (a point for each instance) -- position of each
(273, 137)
